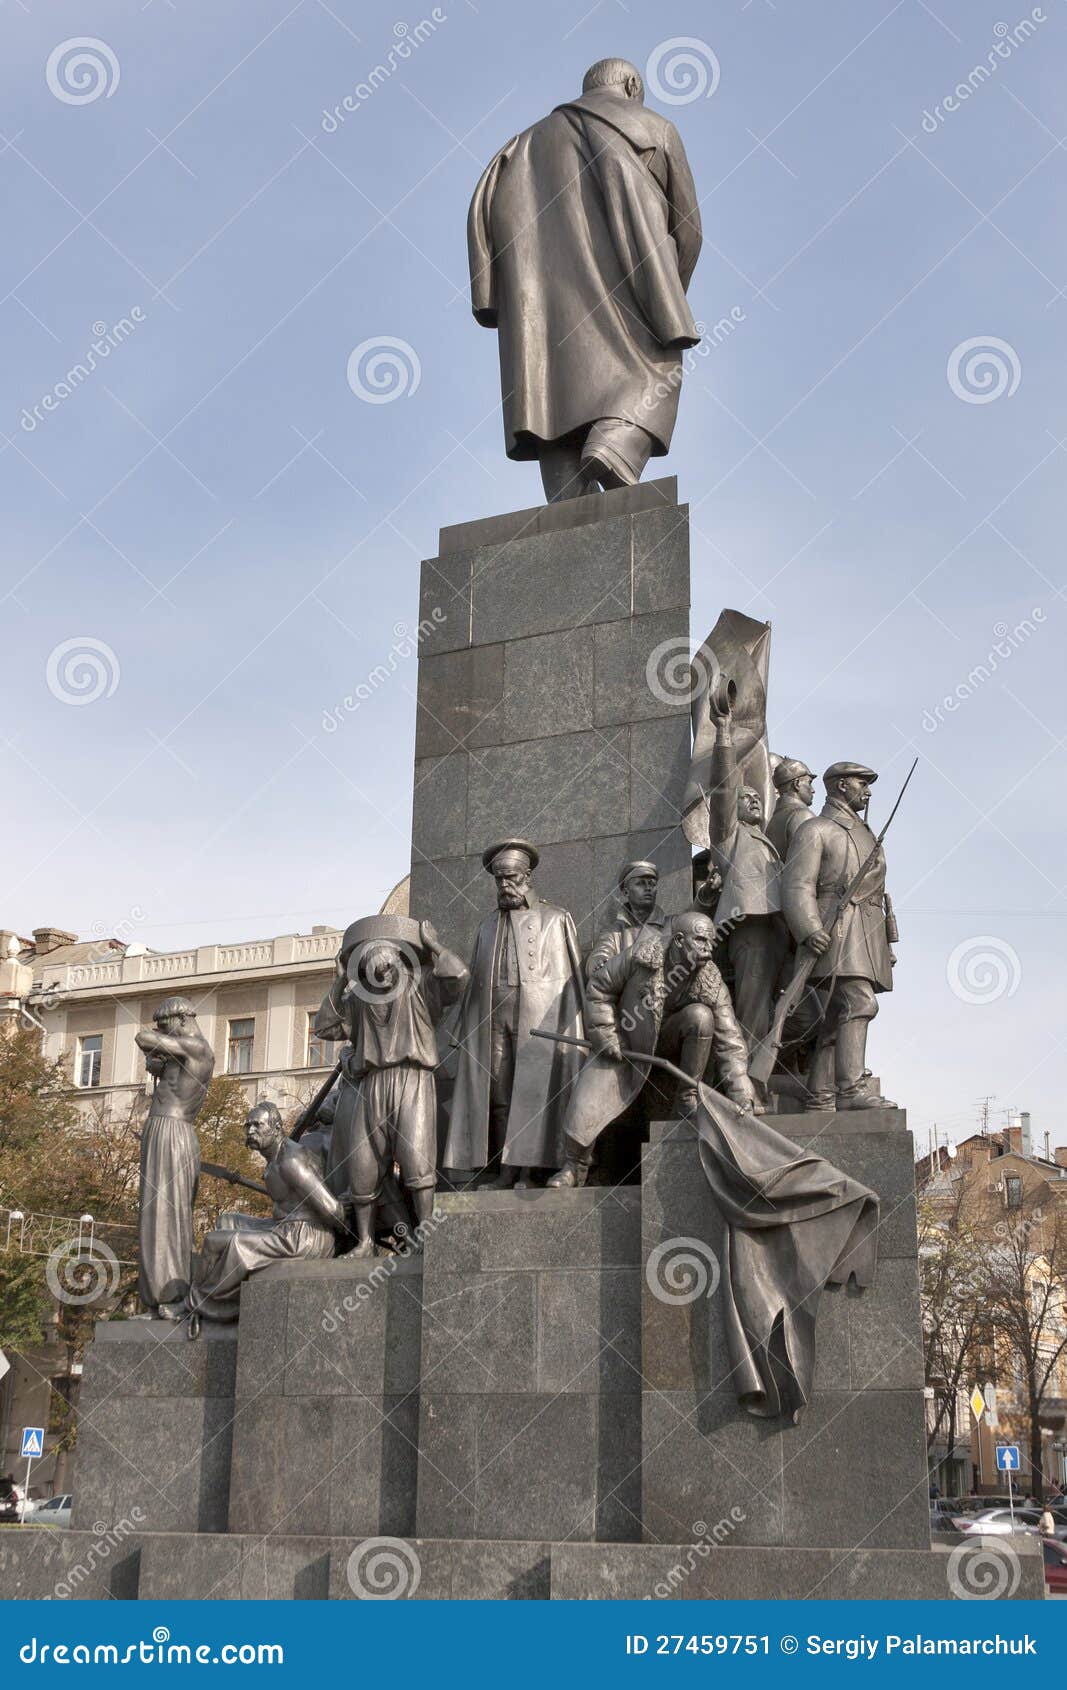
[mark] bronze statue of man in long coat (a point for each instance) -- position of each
(511, 1090)
(583, 234)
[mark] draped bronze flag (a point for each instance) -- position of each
(793, 1224)
(739, 649)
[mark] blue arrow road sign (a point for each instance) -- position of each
(32, 1440)
(1007, 1458)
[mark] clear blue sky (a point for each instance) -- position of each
(241, 532)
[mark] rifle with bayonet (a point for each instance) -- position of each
(765, 1054)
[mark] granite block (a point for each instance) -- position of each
(38, 1565)
(637, 674)
(537, 1463)
(833, 1359)
(706, 1460)
(547, 689)
(448, 1463)
(542, 582)
(659, 770)
(616, 1515)
(589, 1330)
(459, 692)
(333, 1350)
(452, 1571)
(934, 1575)
(167, 1458)
(557, 1229)
(567, 513)
(261, 1358)
(280, 1478)
(885, 1332)
(445, 603)
(854, 1472)
(133, 1358)
(479, 1333)
(698, 1570)
(661, 560)
(439, 815)
(572, 786)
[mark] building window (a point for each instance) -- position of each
(1013, 1191)
(90, 1053)
(239, 1045)
(322, 1053)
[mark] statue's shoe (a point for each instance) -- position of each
(820, 1100)
(570, 1178)
(866, 1100)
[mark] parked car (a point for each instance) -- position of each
(944, 1517)
(54, 1512)
(1000, 1521)
(11, 1503)
(1055, 1556)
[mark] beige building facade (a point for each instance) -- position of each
(255, 1003)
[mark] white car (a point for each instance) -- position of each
(998, 1522)
(54, 1512)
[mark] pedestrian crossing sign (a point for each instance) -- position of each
(32, 1440)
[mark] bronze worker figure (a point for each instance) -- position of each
(794, 784)
(749, 907)
(653, 997)
(304, 1225)
(181, 1061)
(394, 982)
(854, 962)
(583, 234)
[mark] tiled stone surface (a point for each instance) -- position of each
(37, 1565)
(154, 1429)
(326, 1413)
(530, 1405)
(541, 709)
(853, 1472)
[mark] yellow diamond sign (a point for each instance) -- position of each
(977, 1404)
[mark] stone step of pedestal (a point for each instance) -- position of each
(184, 1566)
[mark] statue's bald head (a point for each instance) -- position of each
(619, 74)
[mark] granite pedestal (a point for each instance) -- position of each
(325, 1414)
(530, 1413)
(536, 714)
(853, 1472)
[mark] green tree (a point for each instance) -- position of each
(220, 1127)
(25, 1304)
